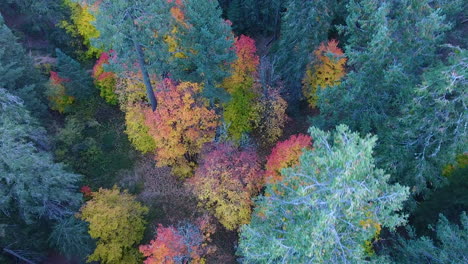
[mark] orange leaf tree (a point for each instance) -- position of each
(180, 126)
(326, 72)
(284, 155)
(186, 243)
(226, 181)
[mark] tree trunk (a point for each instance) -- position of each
(146, 79)
(11, 252)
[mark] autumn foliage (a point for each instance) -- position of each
(186, 243)
(116, 221)
(105, 81)
(284, 155)
(239, 112)
(80, 25)
(180, 126)
(226, 181)
(270, 109)
(57, 93)
(327, 71)
(244, 69)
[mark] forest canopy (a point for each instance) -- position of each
(233, 131)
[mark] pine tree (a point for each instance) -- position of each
(389, 45)
(79, 83)
(326, 208)
(450, 246)
(17, 72)
(208, 40)
(36, 192)
(304, 26)
(434, 130)
(135, 31)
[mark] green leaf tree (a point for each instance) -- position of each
(326, 208)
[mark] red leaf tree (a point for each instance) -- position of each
(105, 81)
(226, 181)
(186, 243)
(284, 155)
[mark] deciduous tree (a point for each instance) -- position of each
(116, 221)
(79, 25)
(105, 81)
(326, 71)
(226, 181)
(270, 109)
(186, 243)
(286, 155)
(180, 126)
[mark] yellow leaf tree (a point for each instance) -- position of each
(327, 71)
(116, 221)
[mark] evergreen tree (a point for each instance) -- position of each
(327, 208)
(36, 192)
(208, 40)
(78, 83)
(434, 129)
(304, 26)
(135, 31)
(17, 72)
(389, 45)
(450, 247)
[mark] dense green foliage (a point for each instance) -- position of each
(450, 245)
(17, 74)
(36, 192)
(326, 208)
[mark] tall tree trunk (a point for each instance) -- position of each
(146, 79)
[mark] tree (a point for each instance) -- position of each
(434, 132)
(80, 25)
(117, 222)
(285, 155)
(59, 99)
(255, 17)
(128, 28)
(239, 112)
(186, 243)
(78, 82)
(18, 75)
(271, 118)
(180, 126)
(208, 40)
(326, 208)
(31, 195)
(37, 193)
(136, 129)
(70, 237)
(327, 71)
(450, 246)
(305, 24)
(225, 182)
(105, 81)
